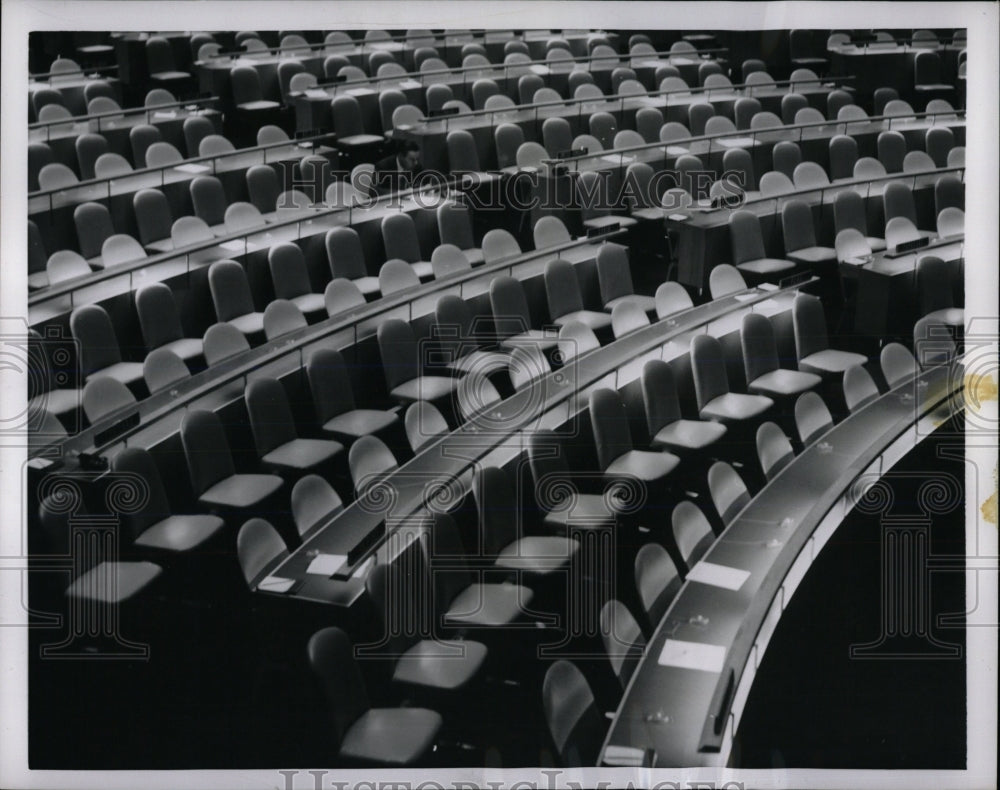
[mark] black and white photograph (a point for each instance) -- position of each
(499, 395)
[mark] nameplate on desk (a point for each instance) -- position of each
(443, 112)
(571, 153)
(192, 168)
(692, 655)
(718, 575)
(326, 564)
(908, 246)
(603, 230)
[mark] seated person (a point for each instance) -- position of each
(399, 170)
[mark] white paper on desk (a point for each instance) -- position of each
(165, 114)
(409, 84)
(676, 150)
(677, 217)
(718, 575)
(651, 101)
(326, 564)
(233, 246)
(316, 93)
(692, 655)
(744, 297)
(358, 91)
(618, 158)
(768, 307)
(275, 584)
(768, 287)
(623, 755)
(193, 168)
(538, 68)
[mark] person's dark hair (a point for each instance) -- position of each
(405, 146)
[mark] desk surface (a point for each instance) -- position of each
(439, 473)
(672, 710)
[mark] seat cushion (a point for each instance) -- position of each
(766, 266)
(310, 303)
(241, 491)
(425, 388)
(586, 511)
(302, 454)
(481, 362)
(590, 318)
(113, 582)
(180, 533)
(367, 285)
(125, 372)
(689, 434)
(249, 324)
(488, 605)
(533, 337)
(359, 139)
(813, 255)
(646, 303)
(784, 382)
(60, 401)
(538, 554)
(423, 270)
(446, 664)
(391, 736)
(734, 406)
(831, 360)
(185, 347)
(474, 255)
(257, 106)
(643, 464)
(359, 422)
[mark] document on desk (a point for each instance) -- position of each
(326, 564)
(316, 93)
(745, 297)
(410, 84)
(163, 114)
(275, 584)
(624, 756)
(692, 655)
(676, 150)
(718, 575)
(193, 168)
(359, 91)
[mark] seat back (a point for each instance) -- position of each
(656, 581)
(692, 532)
(498, 509)
(934, 291)
(900, 230)
(509, 138)
(898, 364)
(329, 384)
(808, 175)
(369, 460)
(574, 721)
(728, 491)
(775, 183)
(724, 280)
(121, 248)
(627, 317)
(659, 395)
(397, 275)
(208, 199)
(498, 245)
(196, 128)
(933, 343)
(797, 225)
(774, 451)
(527, 364)
(245, 84)
(288, 271)
(189, 230)
(949, 192)
(951, 222)
(399, 235)
(152, 215)
(562, 289)
(139, 463)
(162, 369)
(281, 317)
(93, 226)
(891, 147)
(859, 388)
(812, 417)
(698, 114)
(938, 141)
(341, 295)
(448, 259)
(613, 274)
(65, 265)
(835, 100)
(604, 127)
(550, 232)
(648, 121)
(91, 328)
(708, 366)
(670, 298)
(158, 318)
(88, 148)
(509, 306)
(849, 212)
(463, 157)
(622, 638)
(423, 423)
(843, 156)
(230, 290)
(475, 393)
(214, 145)
(263, 187)
(314, 501)
(270, 414)
(206, 449)
(760, 350)
(609, 422)
(809, 325)
(745, 238)
(785, 157)
(103, 396)
(399, 352)
(343, 250)
(438, 94)
(556, 135)
(576, 338)
(160, 154)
